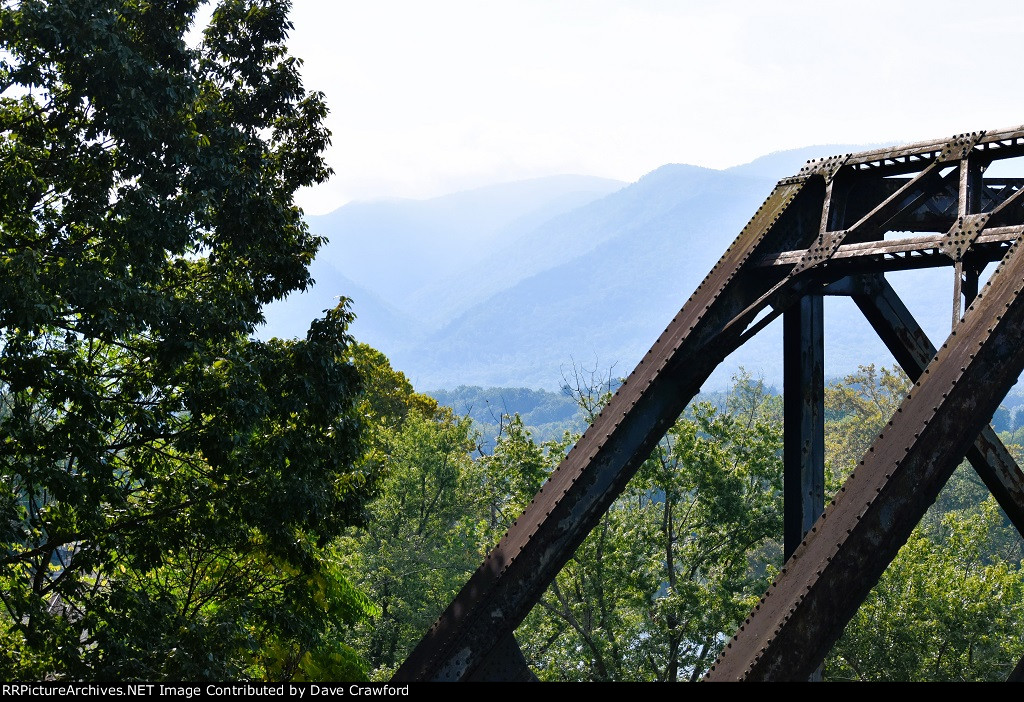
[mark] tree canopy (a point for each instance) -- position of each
(167, 484)
(684, 552)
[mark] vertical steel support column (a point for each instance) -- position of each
(804, 405)
(965, 280)
(969, 284)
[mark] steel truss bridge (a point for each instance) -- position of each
(835, 228)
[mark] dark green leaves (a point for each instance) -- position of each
(166, 483)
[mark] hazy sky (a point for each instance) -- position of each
(429, 97)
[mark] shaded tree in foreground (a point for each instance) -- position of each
(166, 483)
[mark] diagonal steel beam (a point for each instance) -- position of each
(515, 573)
(820, 587)
(1017, 674)
(908, 197)
(911, 348)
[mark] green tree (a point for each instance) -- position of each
(949, 606)
(167, 484)
(856, 409)
(440, 504)
(680, 557)
(421, 540)
(678, 560)
(943, 610)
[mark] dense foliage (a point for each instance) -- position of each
(675, 562)
(167, 484)
(686, 550)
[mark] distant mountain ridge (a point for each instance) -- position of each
(512, 284)
(397, 254)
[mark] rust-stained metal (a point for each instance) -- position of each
(826, 230)
(803, 479)
(830, 574)
(910, 252)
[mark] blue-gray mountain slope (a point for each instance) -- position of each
(463, 291)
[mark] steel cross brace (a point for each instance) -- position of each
(909, 345)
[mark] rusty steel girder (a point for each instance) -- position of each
(822, 231)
